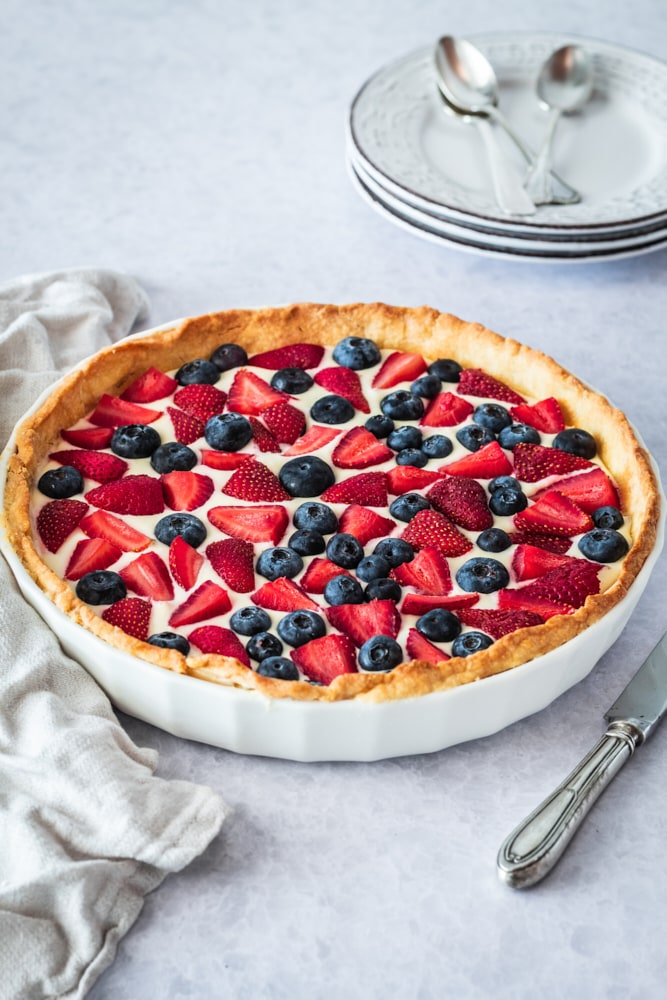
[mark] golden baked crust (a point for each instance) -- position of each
(420, 330)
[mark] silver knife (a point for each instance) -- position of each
(534, 847)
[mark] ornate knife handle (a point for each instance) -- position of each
(534, 847)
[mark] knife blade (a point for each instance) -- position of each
(534, 847)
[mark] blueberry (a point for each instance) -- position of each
(607, 517)
(279, 561)
(227, 431)
(315, 516)
(343, 590)
(278, 667)
(402, 405)
(380, 652)
(437, 446)
(493, 416)
(198, 372)
(299, 627)
(356, 353)
(173, 456)
(229, 356)
(59, 484)
(306, 476)
(439, 625)
(473, 437)
(412, 456)
(250, 620)
(395, 550)
(344, 550)
(470, 642)
(446, 369)
(482, 575)
(515, 434)
(373, 567)
(407, 436)
(135, 441)
(383, 590)
(504, 481)
(292, 380)
(102, 586)
(306, 542)
(576, 442)
(506, 501)
(332, 409)
(263, 644)
(407, 505)
(604, 545)
(170, 640)
(189, 527)
(494, 540)
(379, 425)
(427, 386)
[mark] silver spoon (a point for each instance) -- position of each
(468, 84)
(564, 85)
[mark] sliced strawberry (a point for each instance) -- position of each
(419, 604)
(225, 460)
(533, 462)
(283, 595)
(408, 478)
(97, 465)
(498, 623)
(57, 520)
(262, 437)
(361, 621)
(249, 393)
(399, 367)
(220, 641)
(551, 543)
(358, 449)
(131, 495)
(316, 437)
(152, 385)
(446, 410)
(286, 422)
(254, 481)
(201, 401)
(486, 463)
(419, 648)
(207, 601)
(232, 560)
(475, 382)
(261, 523)
(90, 438)
(530, 561)
(326, 658)
(148, 576)
(428, 572)
(318, 574)
(431, 528)
(186, 428)
(186, 490)
(184, 563)
(516, 600)
(463, 501)
(89, 555)
(367, 488)
(364, 524)
(589, 490)
(554, 513)
(570, 584)
(546, 415)
(101, 524)
(346, 383)
(111, 411)
(290, 356)
(131, 614)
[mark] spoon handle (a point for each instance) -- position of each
(560, 193)
(507, 185)
(537, 179)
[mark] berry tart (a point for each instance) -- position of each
(329, 503)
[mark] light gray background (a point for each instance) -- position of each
(199, 146)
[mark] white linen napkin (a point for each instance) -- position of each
(86, 829)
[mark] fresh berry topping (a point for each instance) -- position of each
(232, 560)
(446, 369)
(373, 567)
(470, 642)
(332, 409)
(113, 412)
(360, 621)
(326, 658)
(186, 490)
(197, 372)
(262, 523)
(379, 425)
(264, 644)
(343, 589)
(504, 482)
(575, 441)
(254, 481)
(383, 589)
(227, 432)
(358, 449)
(57, 520)
(482, 575)
(428, 572)
(299, 627)
(306, 542)
(135, 441)
(421, 604)
(533, 462)
(96, 465)
(148, 576)
(285, 422)
(90, 438)
(357, 353)
(605, 545)
(520, 599)
(406, 506)
(131, 495)
(346, 383)
(569, 584)
(207, 601)
(186, 428)
(201, 401)
(344, 550)
(419, 648)
(315, 516)
(58, 484)
(463, 501)
(91, 554)
(494, 540)
(315, 438)
(319, 573)
(487, 463)
(407, 436)
(101, 524)
(219, 641)
(228, 356)
(173, 457)
(250, 620)
(402, 405)
(427, 386)
(446, 410)
(170, 640)
(263, 438)
(498, 623)
(398, 367)
(305, 476)
(249, 393)
(507, 501)
(545, 415)
(492, 416)
(554, 513)
(290, 356)
(530, 561)
(279, 668)
(437, 446)
(551, 543)
(279, 562)
(414, 457)
(293, 381)
(152, 385)
(589, 490)
(439, 624)
(405, 478)
(101, 587)
(367, 488)
(475, 382)
(364, 524)
(473, 437)
(189, 527)
(225, 460)
(395, 550)
(283, 595)
(515, 434)
(430, 528)
(606, 517)
(131, 614)
(380, 652)
(184, 563)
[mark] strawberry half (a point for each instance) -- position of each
(57, 520)
(286, 422)
(446, 410)
(419, 604)
(97, 465)
(346, 383)
(254, 481)
(186, 428)
(428, 572)
(407, 478)
(148, 576)
(90, 438)
(368, 489)
(358, 449)
(262, 437)
(419, 648)
(184, 563)
(364, 523)
(290, 356)
(219, 641)
(226, 460)
(589, 490)
(530, 561)
(152, 385)
(399, 367)
(249, 393)
(498, 623)
(131, 614)
(131, 495)
(429, 528)
(316, 437)
(551, 543)
(283, 595)
(207, 601)
(262, 523)
(533, 462)
(463, 501)
(186, 490)
(201, 401)
(101, 524)
(571, 583)
(361, 621)
(232, 560)
(486, 463)
(554, 513)
(318, 574)
(546, 415)
(326, 658)
(475, 382)
(89, 555)
(111, 411)
(517, 600)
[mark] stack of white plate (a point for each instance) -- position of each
(426, 170)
